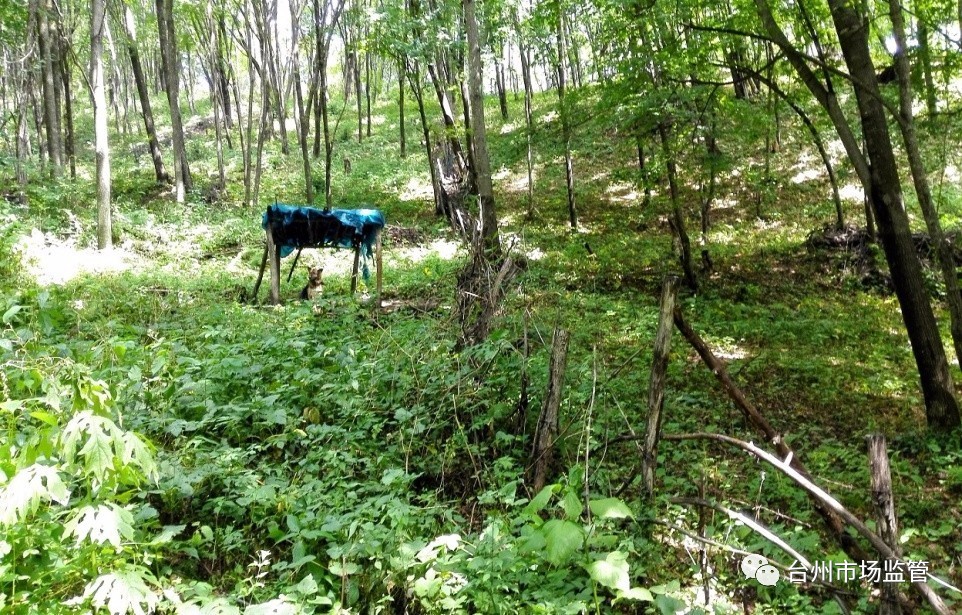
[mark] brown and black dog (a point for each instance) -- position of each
(315, 283)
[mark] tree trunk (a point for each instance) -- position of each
(565, 123)
(415, 78)
(70, 148)
(303, 121)
(98, 10)
(447, 114)
(499, 83)
(50, 114)
(886, 523)
(656, 383)
(367, 89)
(542, 454)
(525, 57)
(171, 70)
(925, 55)
(401, 75)
(677, 215)
(907, 125)
(130, 26)
(942, 411)
(489, 220)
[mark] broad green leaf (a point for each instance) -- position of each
(45, 417)
(540, 501)
(610, 508)
(612, 571)
(27, 489)
(571, 504)
(563, 539)
(10, 313)
(636, 593)
(121, 593)
(102, 524)
(167, 534)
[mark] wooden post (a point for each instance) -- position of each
(656, 384)
(886, 522)
(274, 256)
(378, 257)
(260, 276)
(542, 454)
(357, 263)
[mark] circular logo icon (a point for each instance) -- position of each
(751, 564)
(767, 575)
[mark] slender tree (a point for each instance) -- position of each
(490, 240)
(98, 13)
(171, 71)
(130, 27)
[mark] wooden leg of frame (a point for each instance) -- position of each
(380, 261)
(274, 256)
(357, 264)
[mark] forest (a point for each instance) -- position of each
(618, 306)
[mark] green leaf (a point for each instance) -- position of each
(612, 571)
(539, 501)
(101, 524)
(122, 592)
(572, 505)
(167, 534)
(9, 314)
(610, 508)
(636, 593)
(562, 540)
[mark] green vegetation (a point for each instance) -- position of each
(167, 445)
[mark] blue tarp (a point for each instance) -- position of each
(307, 227)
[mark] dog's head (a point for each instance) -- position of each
(314, 276)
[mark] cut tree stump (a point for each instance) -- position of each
(542, 455)
(886, 522)
(656, 384)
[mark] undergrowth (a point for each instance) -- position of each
(170, 446)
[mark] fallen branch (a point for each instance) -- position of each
(934, 600)
(757, 421)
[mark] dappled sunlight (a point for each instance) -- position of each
(444, 249)
(622, 192)
(510, 181)
(806, 175)
(852, 192)
(952, 173)
(416, 189)
(508, 128)
(51, 260)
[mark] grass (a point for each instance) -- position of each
(341, 442)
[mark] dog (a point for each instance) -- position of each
(315, 283)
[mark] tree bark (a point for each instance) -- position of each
(171, 70)
(925, 55)
(70, 148)
(98, 11)
(885, 189)
(906, 123)
(50, 112)
(525, 57)
(565, 121)
(489, 221)
(656, 383)
(881, 184)
(130, 27)
(542, 454)
(303, 121)
(678, 224)
(886, 524)
(401, 75)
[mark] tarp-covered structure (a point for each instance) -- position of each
(295, 226)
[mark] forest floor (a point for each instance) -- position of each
(319, 454)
